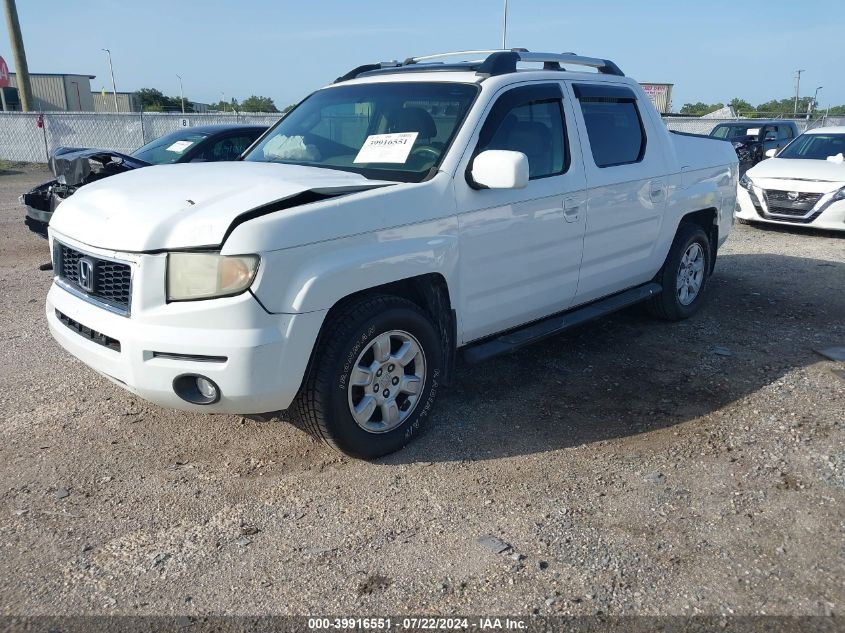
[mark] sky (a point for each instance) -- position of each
(712, 51)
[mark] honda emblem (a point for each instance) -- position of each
(86, 274)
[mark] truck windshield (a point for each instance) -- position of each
(815, 146)
(735, 131)
(387, 131)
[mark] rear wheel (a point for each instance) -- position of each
(374, 377)
(684, 275)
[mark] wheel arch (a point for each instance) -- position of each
(428, 291)
(708, 220)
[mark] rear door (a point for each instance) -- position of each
(626, 187)
(520, 249)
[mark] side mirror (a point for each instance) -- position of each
(500, 169)
(771, 153)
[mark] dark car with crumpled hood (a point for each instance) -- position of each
(75, 167)
(752, 138)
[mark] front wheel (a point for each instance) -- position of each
(684, 275)
(374, 377)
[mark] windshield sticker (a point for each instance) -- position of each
(387, 148)
(290, 148)
(753, 131)
(180, 146)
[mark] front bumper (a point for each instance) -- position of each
(831, 218)
(37, 221)
(265, 354)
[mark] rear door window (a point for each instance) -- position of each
(614, 125)
(784, 132)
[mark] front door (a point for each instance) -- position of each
(520, 249)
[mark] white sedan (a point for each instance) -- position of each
(803, 185)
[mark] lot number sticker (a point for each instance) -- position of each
(180, 146)
(387, 148)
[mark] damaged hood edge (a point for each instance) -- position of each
(187, 206)
(71, 165)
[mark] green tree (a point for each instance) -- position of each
(153, 100)
(150, 99)
(226, 106)
(258, 104)
(700, 109)
(742, 107)
(784, 107)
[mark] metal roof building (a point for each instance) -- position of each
(126, 102)
(52, 92)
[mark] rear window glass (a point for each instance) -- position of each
(615, 130)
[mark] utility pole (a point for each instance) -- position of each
(19, 54)
(181, 94)
(813, 106)
(505, 26)
(797, 89)
(113, 85)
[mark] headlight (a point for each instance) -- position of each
(208, 275)
(745, 182)
(839, 195)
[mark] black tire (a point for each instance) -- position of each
(667, 305)
(322, 405)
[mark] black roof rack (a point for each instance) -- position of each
(484, 63)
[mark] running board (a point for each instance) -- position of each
(514, 339)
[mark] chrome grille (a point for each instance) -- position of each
(112, 281)
(780, 202)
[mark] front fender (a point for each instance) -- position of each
(316, 276)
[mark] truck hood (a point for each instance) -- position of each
(192, 205)
(797, 169)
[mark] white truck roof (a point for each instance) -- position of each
(476, 66)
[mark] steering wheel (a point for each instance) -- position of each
(425, 151)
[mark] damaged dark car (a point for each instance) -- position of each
(752, 138)
(76, 167)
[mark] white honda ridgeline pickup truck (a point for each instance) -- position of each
(408, 210)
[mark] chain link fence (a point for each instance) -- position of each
(24, 139)
(696, 125)
(31, 137)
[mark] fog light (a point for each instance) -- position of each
(206, 387)
(196, 389)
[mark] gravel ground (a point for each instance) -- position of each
(627, 467)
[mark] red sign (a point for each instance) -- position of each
(4, 73)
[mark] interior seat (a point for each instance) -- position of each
(413, 119)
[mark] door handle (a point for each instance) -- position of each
(656, 192)
(572, 208)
